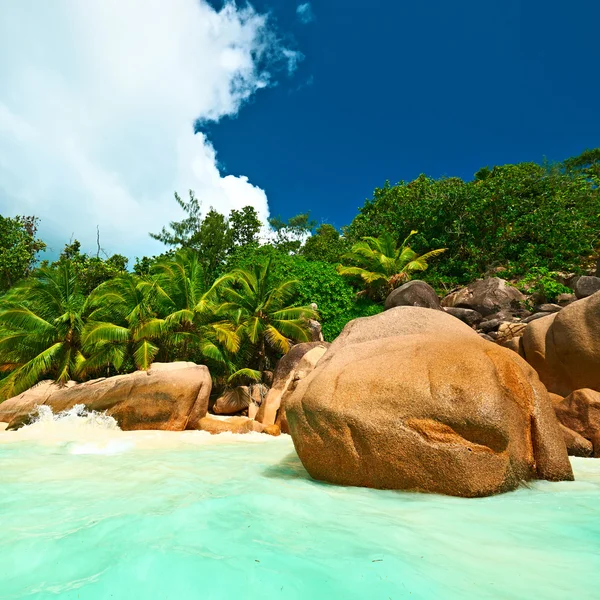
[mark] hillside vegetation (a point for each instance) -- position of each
(224, 296)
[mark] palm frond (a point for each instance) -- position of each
(144, 354)
(249, 373)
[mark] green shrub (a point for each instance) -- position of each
(543, 283)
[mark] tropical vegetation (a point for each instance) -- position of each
(233, 294)
(383, 265)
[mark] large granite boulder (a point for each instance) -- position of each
(580, 412)
(171, 396)
(414, 399)
(413, 293)
(486, 296)
(294, 366)
(564, 347)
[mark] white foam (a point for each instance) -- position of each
(80, 431)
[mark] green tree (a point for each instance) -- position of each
(382, 265)
(214, 242)
(183, 233)
(245, 227)
(41, 320)
(19, 247)
(171, 315)
(91, 271)
(325, 245)
(122, 327)
(291, 234)
(262, 310)
(212, 236)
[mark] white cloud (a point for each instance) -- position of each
(97, 105)
(305, 13)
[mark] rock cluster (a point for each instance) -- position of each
(561, 341)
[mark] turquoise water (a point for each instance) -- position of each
(91, 512)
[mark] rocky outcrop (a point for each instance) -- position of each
(413, 293)
(294, 366)
(563, 347)
(413, 399)
(486, 296)
(171, 396)
(580, 412)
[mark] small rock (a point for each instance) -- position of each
(564, 299)
(314, 328)
(273, 430)
(413, 293)
(510, 314)
(580, 412)
(546, 308)
(214, 425)
(490, 325)
(586, 286)
(486, 337)
(576, 444)
(536, 316)
(233, 401)
(507, 331)
(466, 315)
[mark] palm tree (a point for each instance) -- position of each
(189, 309)
(41, 320)
(122, 328)
(382, 265)
(170, 315)
(261, 309)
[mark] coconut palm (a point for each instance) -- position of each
(122, 328)
(382, 265)
(261, 309)
(170, 315)
(41, 320)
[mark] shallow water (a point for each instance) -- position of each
(88, 511)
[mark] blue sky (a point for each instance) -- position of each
(391, 89)
(303, 105)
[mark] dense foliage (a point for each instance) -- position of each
(336, 298)
(228, 294)
(18, 249)
(515, 216)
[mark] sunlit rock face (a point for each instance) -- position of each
(171, 396)
(564, 347)
(414, 399)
